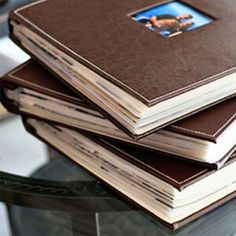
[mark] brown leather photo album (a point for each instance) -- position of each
(141, 93)
(174, 191)
(206, 137)
(121, 62)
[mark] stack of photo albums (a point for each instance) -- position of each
(123, 79)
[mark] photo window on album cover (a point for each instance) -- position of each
(172, 18)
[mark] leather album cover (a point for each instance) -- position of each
(123, 50)
(179, 174)
(206, 125)
(107, 48)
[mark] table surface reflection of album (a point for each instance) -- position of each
(49, 213)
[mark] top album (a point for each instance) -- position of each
(145, 63)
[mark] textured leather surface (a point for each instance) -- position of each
(33, 76)
(176, 172)
(208, 124)
(101, 35)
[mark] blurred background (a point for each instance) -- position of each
(13, 138)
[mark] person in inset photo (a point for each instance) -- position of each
(168, 24)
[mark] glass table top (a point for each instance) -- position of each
(45, 193)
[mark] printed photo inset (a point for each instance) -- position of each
(172, 18)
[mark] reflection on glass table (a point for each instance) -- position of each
(47, 194)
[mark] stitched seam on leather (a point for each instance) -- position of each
(179, 182)
(226, 124)
(189, 86)
(215, 134)
(189, 130)
(38, 86)
(161, 173)
(166, 176)
(82, 58)
(30, 5)
(170, 94)
(19, 68)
